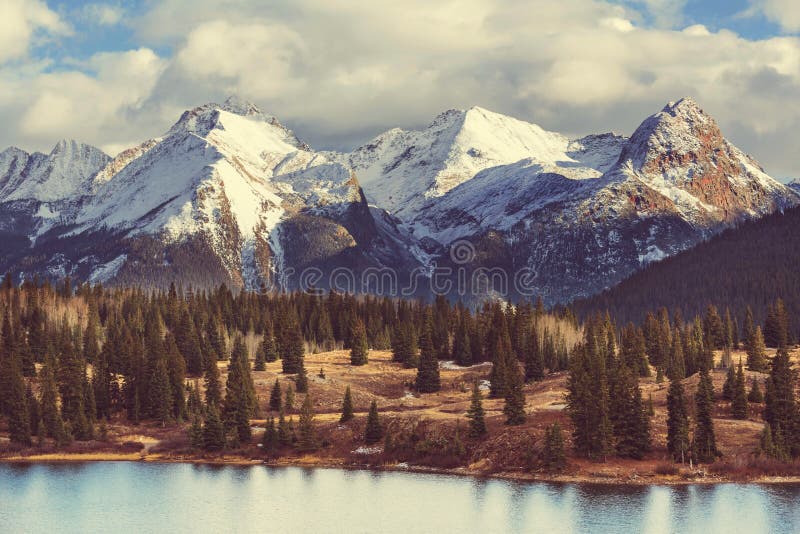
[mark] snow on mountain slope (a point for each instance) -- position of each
(228, 194)
(400, 170)
(64, 173)
(227, 189)
(608, 206)
(795, 185)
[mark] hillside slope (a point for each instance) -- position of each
(752, 264)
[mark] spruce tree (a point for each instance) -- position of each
(739, 401)
(275, 400)
(301, 383)
(534, 360)
(427, 380)
(347, 406)
(755, 396)
(212, 383)
(477, 424)
(51, 415)
(213, 430)
(629, 420)
(678, 443)
(292, 346)
(757, 352)
(358, 343)
(284, 431)
(269, 442)
(553, 456)
(308, 439)
(588, 397)
(727, 386)
(704, 444)
(514, 408)
(373, 432)
(288, 402)
(780, 408)
(19, 424)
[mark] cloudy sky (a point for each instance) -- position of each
(339, 71)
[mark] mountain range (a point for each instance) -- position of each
(228, 194)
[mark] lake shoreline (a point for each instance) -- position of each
(310, 462)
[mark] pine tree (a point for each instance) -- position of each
(301, 383)
(534, 360)
(704, 445)
(308, 440)
(292, 346)
(739, 401)
(213, 430)
(677, 422)
(288, 402)
(776, 327)
(514, 408)
(51, 415)
(462, 350)
(275, 400)
(755, 396)
(553, 456)
(239, 393)
(629, 420)
(19, 424)
(477, 425)
(212, 383)
(270, 440)
(727, 387)
(358, 343)
(588, 398)
(756, 352)
(284, 431)
(780, 408)
(347, 406)
(373, 432)
(427, 380)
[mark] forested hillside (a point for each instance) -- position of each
(751, 265)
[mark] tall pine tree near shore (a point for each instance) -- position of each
(476, 413)
(514, 408)
(678, 443)
(704, 443)
(373, 432)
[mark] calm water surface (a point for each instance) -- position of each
(142, 497)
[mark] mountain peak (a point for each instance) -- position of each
(239, 106)
(685, 105)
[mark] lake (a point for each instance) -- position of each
(149, 497)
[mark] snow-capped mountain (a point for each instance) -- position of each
(400, 170)
(585, 218)
(228, 194)
(795, 184)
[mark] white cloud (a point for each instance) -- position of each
(786, 13)
(342, 70)
(92, 106)
(103, 14)
(21, 22)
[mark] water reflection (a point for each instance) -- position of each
(137, 497)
